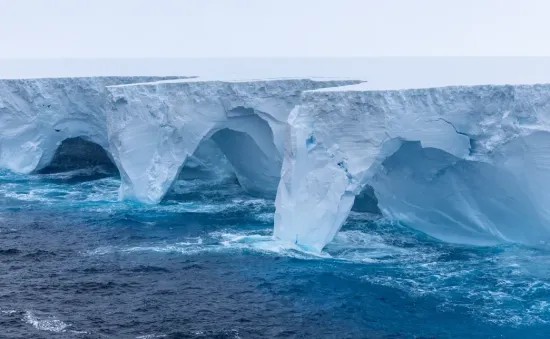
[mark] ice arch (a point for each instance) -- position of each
(435, 143)
(36, 115)
(78, 153)
(155, 127)
(246, 141)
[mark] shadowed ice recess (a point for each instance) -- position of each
(371, 264)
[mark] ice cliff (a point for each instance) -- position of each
(466, 164)
(463, 164)
(154, 129)
(36, 115)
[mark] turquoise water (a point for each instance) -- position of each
(77, 263)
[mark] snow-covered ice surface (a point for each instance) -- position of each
(154, 127)
(465, 164)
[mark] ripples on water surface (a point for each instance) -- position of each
(76, 263)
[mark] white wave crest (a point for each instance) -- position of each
(50, 324)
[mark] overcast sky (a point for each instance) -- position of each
(278, 28)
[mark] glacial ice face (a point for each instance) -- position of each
(155, 127)
(464, 164)
(36, 115)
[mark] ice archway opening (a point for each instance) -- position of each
(79, 153)
(240, 151)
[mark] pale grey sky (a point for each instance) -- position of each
(281, 28)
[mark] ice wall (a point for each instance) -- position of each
(36, 115)
(154, 128)
(464, 164)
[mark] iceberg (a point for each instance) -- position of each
(37, 115)
(155, 128)
(465, 164)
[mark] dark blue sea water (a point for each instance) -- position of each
(77, 263)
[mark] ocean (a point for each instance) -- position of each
(77, 263)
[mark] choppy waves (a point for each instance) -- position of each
(503, 286)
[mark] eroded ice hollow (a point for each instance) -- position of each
(38, 115)
(154, 129)
(465, 164)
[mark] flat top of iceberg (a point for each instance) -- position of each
(375, 86)
(233, 80)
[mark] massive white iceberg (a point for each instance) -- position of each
(155, 127)
(463, 164)
(36, 115)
